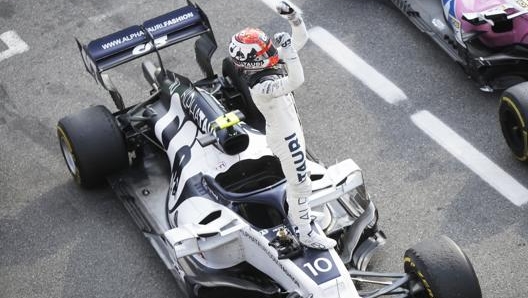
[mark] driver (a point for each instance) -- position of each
(272, 75)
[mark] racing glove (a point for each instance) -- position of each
(284, 45)
(289, 13)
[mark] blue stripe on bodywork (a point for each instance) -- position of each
(451, 4)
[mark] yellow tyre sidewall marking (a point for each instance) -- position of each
(64, 137)
(510, 103)
(421, 276)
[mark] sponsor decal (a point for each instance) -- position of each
(195, 112)
(173, 86)
(122, 40)
(297, 155)
(140, 33)
(147, 47)
(318, 265)
(171, 22)
(455, 24)
(271, 255)
(221, 166)
(253, 63)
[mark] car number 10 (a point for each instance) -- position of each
(319, 265)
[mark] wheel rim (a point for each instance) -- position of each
(418, 285)
(68, 156)
(513, 131)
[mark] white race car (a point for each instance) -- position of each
(202, 185)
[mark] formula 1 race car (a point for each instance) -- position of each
(489, 39)
(191, 165)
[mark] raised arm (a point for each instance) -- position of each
(287, 48)
(277, 87)
(299, 33)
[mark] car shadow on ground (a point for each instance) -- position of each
(82, 241)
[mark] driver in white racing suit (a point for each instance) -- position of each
(271, 84)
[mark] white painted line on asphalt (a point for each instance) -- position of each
(15, 45)
(496, 177)
(350, 61)
(356, 66)
(471, 157)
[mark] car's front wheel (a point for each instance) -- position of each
(513, 117)
(440, 269)
(92, 144)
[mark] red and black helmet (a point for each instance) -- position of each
(252, 49)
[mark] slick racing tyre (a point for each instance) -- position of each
(253, 116)
(92, 144)
(440, 269)
(513, 117)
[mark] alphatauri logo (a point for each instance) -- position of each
(297, 155)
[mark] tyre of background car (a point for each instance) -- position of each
(253, 116)
(513, 117)
(92, 145)
(442, 269)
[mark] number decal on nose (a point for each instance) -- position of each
(319, 265)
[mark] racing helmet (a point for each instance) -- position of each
(252, 49)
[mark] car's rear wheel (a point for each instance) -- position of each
(92, 144)
(513, 117)
(440, 269)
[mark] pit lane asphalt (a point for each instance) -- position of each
(60, 241)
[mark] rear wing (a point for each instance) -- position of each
(139, 40)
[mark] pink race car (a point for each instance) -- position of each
(496, 23)
(489, 39)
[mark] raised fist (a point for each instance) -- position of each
(288, 12)
(285, 9)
